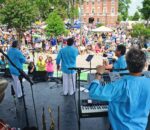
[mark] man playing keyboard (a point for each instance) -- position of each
(128, 97)
(120, 63)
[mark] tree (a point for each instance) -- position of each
(130, 18)
(141, 32)
(136, 16)
(146, 10)
(18, 14)
(123, 9)
(45, 7)
(55, 25)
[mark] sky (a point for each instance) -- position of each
(134, 5)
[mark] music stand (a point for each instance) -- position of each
(89, 59)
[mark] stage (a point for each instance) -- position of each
(47, 94)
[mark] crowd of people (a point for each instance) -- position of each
(127, 110)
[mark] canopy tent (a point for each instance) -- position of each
(6, 33)
(102, 29)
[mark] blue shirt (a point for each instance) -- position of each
(53, 41)
(129, 101)
(17, 58)
(120, 63)
(67, 56)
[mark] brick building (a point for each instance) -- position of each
(103, 11)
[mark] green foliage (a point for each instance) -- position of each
(55, 25)
(139, 30)
(74, 12)
(130, 18)
(44, 6)
(99, 25)
(123, 9)
(136, 16)
(18, 14)
(146, 10)
(65, 8)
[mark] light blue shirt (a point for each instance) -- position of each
(129, 101)
(17, 58)
(67, 56)
(120, 64)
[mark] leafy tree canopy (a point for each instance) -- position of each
(18, 14)
(136, 16)
(55, 25)
(123, 9)
(139, 30)
(146, 10)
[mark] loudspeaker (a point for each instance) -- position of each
(40, 76)
(148, 67)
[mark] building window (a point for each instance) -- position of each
(87, 10)
(82, 11)
(104, 2)
(98, 10)
(104, 10)
(113, 10)
(112, 1)
(97, 20)
(93, 11)
(98, 1)
(93, 2)
(87, 3)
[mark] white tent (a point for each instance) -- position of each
(102, 29)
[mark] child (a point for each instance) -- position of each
(41, 64)
(49, 66)
(31, 68)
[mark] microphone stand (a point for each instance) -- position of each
(24, 75)
(78, 86)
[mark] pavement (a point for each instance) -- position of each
(48, 94)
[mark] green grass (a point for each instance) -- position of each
(83, 76)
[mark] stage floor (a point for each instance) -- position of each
(47, 94)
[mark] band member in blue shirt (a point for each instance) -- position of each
(120, 63)
(18, 59)
(67, 56)
(128, 97)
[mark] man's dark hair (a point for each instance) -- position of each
(122, 49)
(136, 60)
(14, 44)
(70, 41)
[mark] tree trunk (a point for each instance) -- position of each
(148, 22)
(19, 36)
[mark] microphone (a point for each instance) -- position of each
(75, 68)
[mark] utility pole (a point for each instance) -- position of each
(80, 2)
